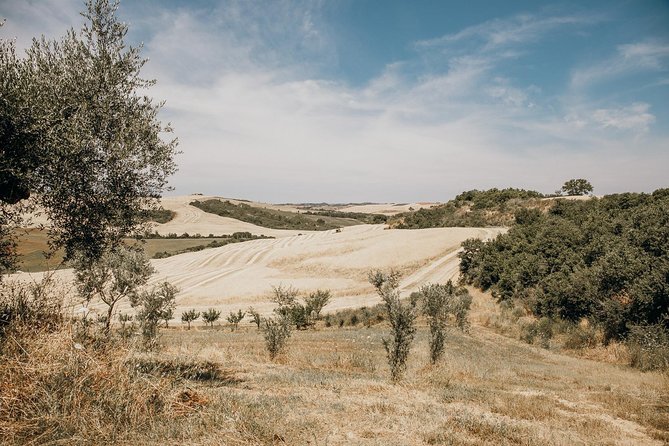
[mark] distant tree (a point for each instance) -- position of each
(190, 316)
(236, 318)
(210, 316)
(255, 316)
(577, 187)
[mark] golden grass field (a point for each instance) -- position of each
(332, 388)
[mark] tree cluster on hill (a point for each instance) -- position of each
(605, 259)
(271, 218)
(360, 216)
(474, 208)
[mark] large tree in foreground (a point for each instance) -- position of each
(78, 133)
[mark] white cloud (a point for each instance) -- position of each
(523, 28)
(629, 58)
(635, 117)
(257, 119)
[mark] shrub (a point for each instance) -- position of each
(302, 315)
(33, 305)
(402, 318)
(649, 347)
(316, 301)
(189, 316)
(276, 331)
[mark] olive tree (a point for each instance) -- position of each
(80, 135)
(402, 318)
(120, 273)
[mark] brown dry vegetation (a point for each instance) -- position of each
(212, 386)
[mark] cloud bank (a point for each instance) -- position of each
(260, 115)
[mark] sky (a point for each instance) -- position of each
(397, 101)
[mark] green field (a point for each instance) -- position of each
(33, 245)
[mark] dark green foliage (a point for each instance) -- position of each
(237, 237)
(372, 219)
(577, 187)
(271, 218)
(603, 259)
(402, 318)
(494, 207)
(159, 215)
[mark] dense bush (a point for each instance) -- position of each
(494, 207)
(302, 315)
(605, 259)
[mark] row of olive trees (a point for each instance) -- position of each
(437, 302)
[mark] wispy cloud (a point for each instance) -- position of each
(629, 58)
(521, 29)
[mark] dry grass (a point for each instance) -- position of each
(331, 387)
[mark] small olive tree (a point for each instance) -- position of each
(302, 315)
(255, 316)
(189, 316)
(153, 305)
(236, 318)
(315, 302)
(440, 300)
(276, 331)
(210, 316)
(402, 318)
(120, 273)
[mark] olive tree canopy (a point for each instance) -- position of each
(79, 134)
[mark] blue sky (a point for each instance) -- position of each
(360, 100)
